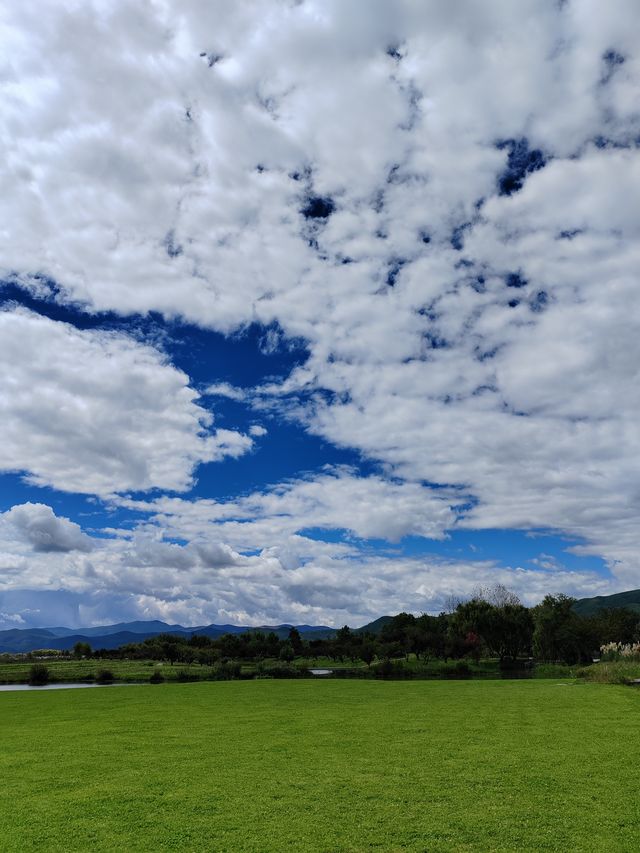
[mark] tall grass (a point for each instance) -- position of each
(611, 672)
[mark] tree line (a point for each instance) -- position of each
(492, 624)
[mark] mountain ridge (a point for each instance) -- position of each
(630, 599)
(22, 640)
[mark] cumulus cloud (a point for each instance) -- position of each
(99, 412)
(44, 531)
(440, 200)
(178, 565)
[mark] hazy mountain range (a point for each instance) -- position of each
(112, 636)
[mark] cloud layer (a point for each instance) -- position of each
(440, 200)
(53, 572)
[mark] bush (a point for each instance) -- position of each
(226, 671)
(611, 672)
(279, 671)
(184, 675)
(391, 669)
(157, 677)
(39, 675)
(105, 676)
(552, 670)
(459, 669)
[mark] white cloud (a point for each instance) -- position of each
(178, 188)
(44, 531)
(203, 580)
(366, 507)
(224, 389)
(98, 412)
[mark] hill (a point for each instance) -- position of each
(20, 640)
(374, 627)
(589, 606)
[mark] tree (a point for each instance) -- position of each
(398, 629)
(560, 634)
(505, 630)
(296, 640)
(343, 643)
(508, 631)
(286, 652)
(498, 595)
(82, 650)
(427, 636)
(471, 619)
(367, 652)
(617, 625)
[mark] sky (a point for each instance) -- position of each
(316, 311)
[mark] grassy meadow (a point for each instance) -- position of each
(322, 766)
(127, 671)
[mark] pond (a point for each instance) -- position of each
(68, 686)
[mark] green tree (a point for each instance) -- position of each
(82, 650)
(367, 652)
(560, 634)
(617, 625)
(286, 651)
(296, 640)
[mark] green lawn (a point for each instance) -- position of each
(84, 670)
(322, 766)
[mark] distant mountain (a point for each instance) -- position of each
(153, 626)
(24, 640)
(19, 640)
(590, 606)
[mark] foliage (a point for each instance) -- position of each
(492, 624)
(225, 671)
(611, 672)
(39, 674)
(560, 634)
(279, 670)
(82, 650)
(184, 675)
(105, 676)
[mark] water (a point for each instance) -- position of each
(7, 688)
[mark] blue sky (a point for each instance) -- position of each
(341, 323)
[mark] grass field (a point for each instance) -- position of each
(81, 670)
(135, 670)
(322, 766)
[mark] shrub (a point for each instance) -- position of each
(552, 670)
(391, 669)
(459, 669)
(225, 671)
(105, 676)
(156, 677)
(279, 671)
(611, 672)
(39, 675)
(184, 675)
